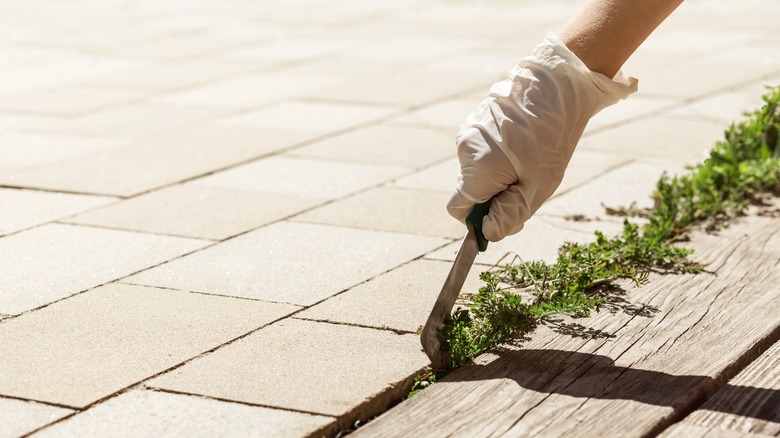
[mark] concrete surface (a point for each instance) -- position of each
(227, 157)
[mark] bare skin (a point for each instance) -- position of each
(604, 33)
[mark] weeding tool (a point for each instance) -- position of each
(473, 243)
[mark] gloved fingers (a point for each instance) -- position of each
(508, 212)
(485, 171)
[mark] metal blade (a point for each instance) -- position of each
(430, 337)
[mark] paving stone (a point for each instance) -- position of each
(294, 47)
(412, 87)
(389, 209)
(67, 101)
(660, 136)
(319, 179)
(289, 262)
(54, 261)
(311, 116)
(539, 240)
(401, 299)
(447, 116)
(441, 177)
(117, 335)
(634, 182)
(384, 144)
(171, 76)
(30, 150)
(26, 208)
(724, 107)
(323, 368)
(128, 170)
(586, 166)
(634, 108)
(195, 211)
(21, 417)
(132, 121)
(163, 414)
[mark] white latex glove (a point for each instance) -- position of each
(518, 142)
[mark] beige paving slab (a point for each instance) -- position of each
(19, 417)
(447, 115)
(142, 165)
(20, 150)
(318, 117)
(685, 140)
(195, 211)
(441, 177)
(67, 101)
(54, 261)
(538, 240)
(384, 144)
(390, 209)
(163, 414)
(171, 76)
(117, 335)
(289, 262)
(27, 208)
(632, 183)
(635, 107)
(401, 299)
(131, 121)
(322, 368)
(413, 87)
(304, 177)
(724, 107)
(585, 166)
(294, 47)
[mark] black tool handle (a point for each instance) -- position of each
(474, 220)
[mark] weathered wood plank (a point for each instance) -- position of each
(668, 346)
(684, 430)
(749, 403)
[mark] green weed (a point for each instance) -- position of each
(741, 169)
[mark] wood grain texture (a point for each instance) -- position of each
(632, 370)
(749, 403)
(684, 430)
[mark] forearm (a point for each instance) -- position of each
(604, 33)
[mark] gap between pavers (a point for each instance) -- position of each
(28, 208)
(398, 300)
(155, 413)
(89, 346)
(390, 209)
(54, 261)
(195, 210)
(329, 369)
(18, 417)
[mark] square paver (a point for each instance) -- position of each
(390, 209)
(195, 211)
(634, 182)
(401, 299)
(384, 144)
(115, 336)
(304, 365)
(20, 151)
(26, 208)
(411, 87)
(54, 261)
(304, 177)
(319, 117)
(586, 166)
(164, 414)
(143, 165)
(289, 262)
(446, 116)
(685, 140)
(539, 239)
(440, 177)
(67, 101)
(19, 417)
